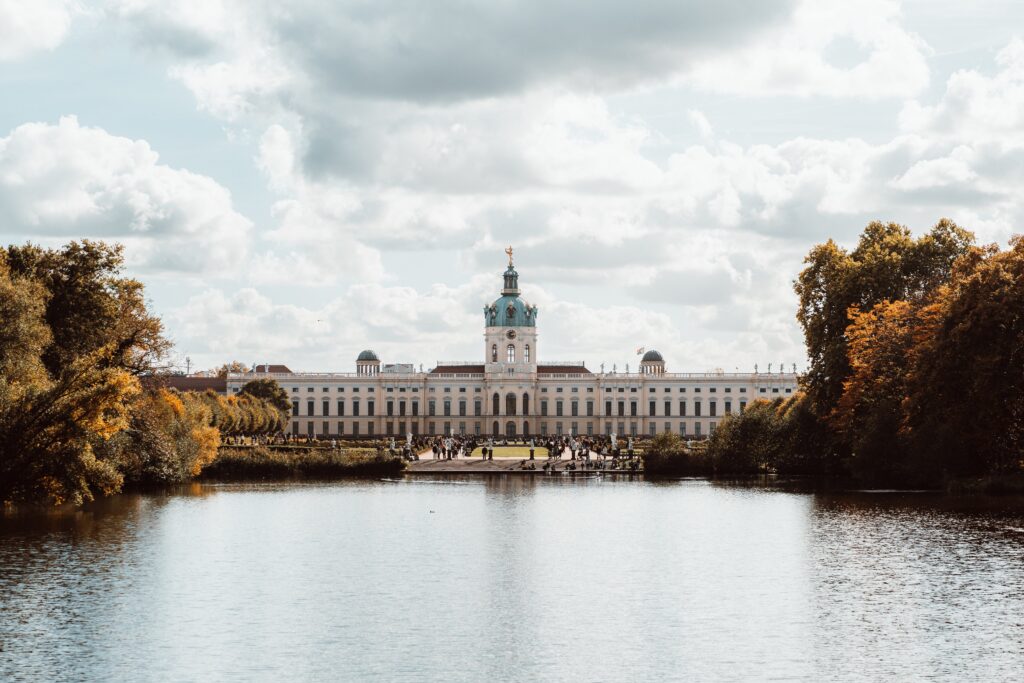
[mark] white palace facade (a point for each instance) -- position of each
(512, 392)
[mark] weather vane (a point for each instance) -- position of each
(509, 252)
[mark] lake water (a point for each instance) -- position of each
(515, 579)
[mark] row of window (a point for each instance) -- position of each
(400, 429)
(510, 353)
(511, 405)
(543, 390)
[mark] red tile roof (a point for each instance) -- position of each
(457, 368)
(550, 369)
(186, 383)
(272, 368)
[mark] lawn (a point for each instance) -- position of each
(519, 452)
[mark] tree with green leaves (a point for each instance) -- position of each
(91, 305)
(270, 391)
(886, 265)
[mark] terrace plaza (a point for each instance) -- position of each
(512, 393)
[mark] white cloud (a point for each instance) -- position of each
(976, 107)
(69, 181)
(33, 26)
(833, 48)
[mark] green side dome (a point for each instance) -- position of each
(367, 355)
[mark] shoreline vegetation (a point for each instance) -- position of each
(915, 380)
(916, 376)
(272, 462)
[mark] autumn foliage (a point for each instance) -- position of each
(919, 380)
(75, 422)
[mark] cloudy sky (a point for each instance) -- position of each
(297, 181)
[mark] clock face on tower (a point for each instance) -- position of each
(511, 334)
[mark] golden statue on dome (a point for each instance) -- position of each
(509, 252)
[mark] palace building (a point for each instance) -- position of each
(513, 391)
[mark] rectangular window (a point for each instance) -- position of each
(590, 409)
(682, 409)
(652, 406)
(295, 407)
(309, 427)
(295, 428)
(713, 409)
(668, 410)
(632, 428)
(478, 408)
(355, 408)
(462, 410)
(622, 408)
(341, 428)
(668, 427)
(696, 409)
(575, 408)
(448, 428)
(341, 408)
(327, 408)
(355, 429)
(309, 409)
(558, 410)
(590, 429)
(447, 409)
(390, 405)
(696, 428)
(369, 429)
(415, 408)
(544, 408)
(558, 428)
(743, 406)
(415, 428)
(369, 409)
(728, 407)
(607, 428)
(574, 428)
(432, 407)
(401, 408)
(682, 429)
(432, 428)
(632, 408)
(327, 428)
(607, 408)
(652, 429)
(389, 428)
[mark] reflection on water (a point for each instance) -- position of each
(514, 578)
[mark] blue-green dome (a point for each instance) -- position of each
(653, 356)
(367, 355)
(509, 310)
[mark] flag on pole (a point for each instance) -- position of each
(639, 351)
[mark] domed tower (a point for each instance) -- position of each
(367, 363)
(510, 328)
(652, 363)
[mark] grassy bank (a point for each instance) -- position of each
(285, 462)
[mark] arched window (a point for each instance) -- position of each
(494, 353)
(526, 404)
(510, 350)
(496, 405)
(526, 354)
(510, 404)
